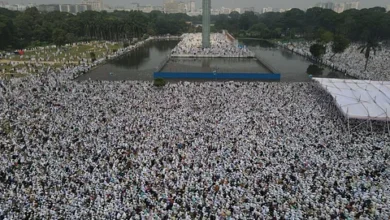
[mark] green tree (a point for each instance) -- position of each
(24, 25)
(367, 48)
(340, 43)
(317, 50)
(93, 56)
(314, 70)
(59, 37)
(70, 38)
(293, 20)
(6, 32)
(31, 27)
(235, 16)
(258, 30)
(326, 37)
(247, 20)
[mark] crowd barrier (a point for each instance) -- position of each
(221, 76)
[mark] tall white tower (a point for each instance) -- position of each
(206, 5)
(192, 6)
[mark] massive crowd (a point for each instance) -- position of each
(211, 150)
(233, 150)
(221, 46)
(352, 61)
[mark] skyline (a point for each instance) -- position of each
(216, 3)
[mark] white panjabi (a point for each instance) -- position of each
(278, 142)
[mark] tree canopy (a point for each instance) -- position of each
(314, 24)
(317, 50)
(340, 43)
(33, 28)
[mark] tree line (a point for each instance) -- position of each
(369, 27)
(34, 28)
(355, 25)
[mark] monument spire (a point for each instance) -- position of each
(206, 6)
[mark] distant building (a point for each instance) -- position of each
(329, 5)
(265, 10)
(158, 8)
(192, 7)
(351, 5)
(21, 7)
(214, 11)
(74, 9)
(237, 10)
(146, 9)
(49, 8)
(134, 6)
(97, 5)
(171, 6)
(65, 8)
(83, 7)
(138, 7)
(11, 7)
(326, 5)
(339, 8)
(225, 11)
(249, 9)
(182, 7)
(286, 9)
(14, 7)
(196, 13)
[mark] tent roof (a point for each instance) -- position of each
(360, 99)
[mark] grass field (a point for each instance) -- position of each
(69, 53)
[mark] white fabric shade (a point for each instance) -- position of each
(360, 99)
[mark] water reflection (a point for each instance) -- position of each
(293, 67)
(164, 46)
(132, 60)
(222, 65)
(314, 70)
(206, 63)
(139, 64)
(287, 54)
(260, 43)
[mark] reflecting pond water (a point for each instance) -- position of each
(224, 65)
(141, 63)
(293, 67)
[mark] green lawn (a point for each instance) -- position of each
(69, 52)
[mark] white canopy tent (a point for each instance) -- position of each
(359, 99)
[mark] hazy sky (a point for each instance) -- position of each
(218, 3)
